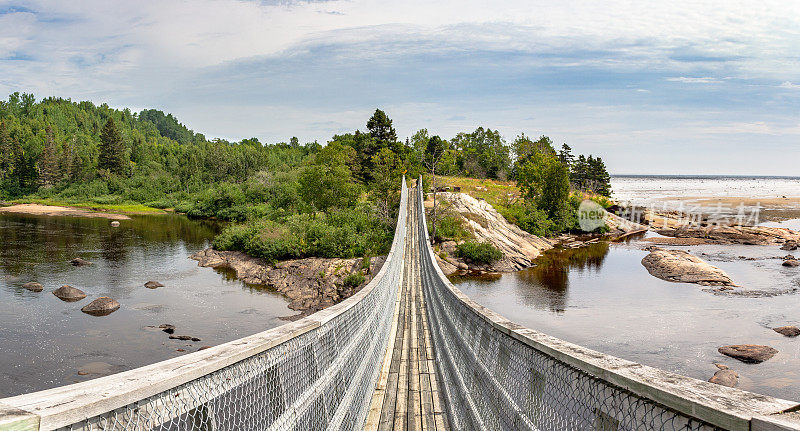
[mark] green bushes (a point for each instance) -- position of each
(343, 233)
(353, 280)
(481, 252)
(450, 228)
(529, 218)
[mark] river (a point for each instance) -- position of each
(46, 342)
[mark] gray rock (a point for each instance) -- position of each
(102, 306)
(682, 267)
(33, 286)
(153, 284)
(69, 293)
(166, 327)
(791, 263)
(183, 337)
(789, 245)
(79, 262)
(725, 377)
(748, 353)
(789, 331)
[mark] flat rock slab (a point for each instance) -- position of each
(69, 293)
(749, 353)
(789, 331)
(725, 377)
(102, 306)
(33, 286)
(681, 267)
(153, 284)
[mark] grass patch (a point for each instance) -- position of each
(495, 192)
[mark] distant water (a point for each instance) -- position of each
(780, 196)
(641, 189)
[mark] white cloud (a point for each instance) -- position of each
(788, 84)
(692, 80)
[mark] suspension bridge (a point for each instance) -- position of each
(407, 352)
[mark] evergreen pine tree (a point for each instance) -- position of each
(565, 156)
(6, 152)
(48, 160)
(112, 149)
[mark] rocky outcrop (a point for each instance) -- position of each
(789, 245)
(682, 267)
(725, 376)
(101, 306)
(749, 353)
(153, 285)
(33, 286)
(311, 284)
(789, 331)
(716, 234)
(487, 225)
(69, 293)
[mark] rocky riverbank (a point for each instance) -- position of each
(311, 284)
(487, 225)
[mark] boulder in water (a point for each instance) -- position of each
(153, 284)
(789, 331)
(114, 223)
(69, 293)
(79, 262)
(33, 286)
(102, 306)
(166, 327)
(725, 377)
(791, 263)
(749, 353)
(682, 267)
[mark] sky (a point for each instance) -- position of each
(679, 87)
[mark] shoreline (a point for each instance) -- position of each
(54, 210)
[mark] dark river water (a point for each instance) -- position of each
(45, 342)
(603, 298)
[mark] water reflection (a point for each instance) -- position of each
(546, 285)
(45, 341)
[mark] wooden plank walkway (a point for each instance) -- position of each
(407, 396)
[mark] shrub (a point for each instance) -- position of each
(353, 280)
(529, 218)
(451, 228)
(481, 252)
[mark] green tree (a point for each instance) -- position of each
(112, 149)
(48, 160)
(544, 181)
(326, 181)
(380, 128)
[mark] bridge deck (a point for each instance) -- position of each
(407, 394)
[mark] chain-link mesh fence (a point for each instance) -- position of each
(321, 379)
(492, 381)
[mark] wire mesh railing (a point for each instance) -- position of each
(314, 374)
(496, 375)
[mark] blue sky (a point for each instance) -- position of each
(681, 88)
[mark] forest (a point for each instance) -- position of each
(285, 199)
